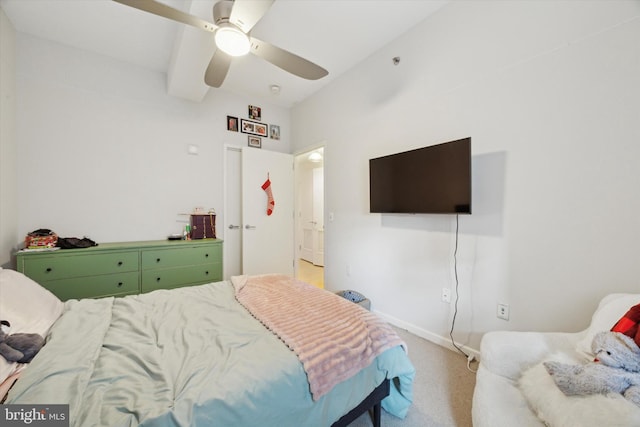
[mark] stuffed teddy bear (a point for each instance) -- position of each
(19, 348)
(616, 369)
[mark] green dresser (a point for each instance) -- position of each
(117, 269)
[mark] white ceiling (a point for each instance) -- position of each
(335, 34)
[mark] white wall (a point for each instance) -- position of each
(547, 90)
(8, 188)
(550, 94)
(103, 148)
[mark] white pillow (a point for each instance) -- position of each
(609, 311)
(29, 308)
(554, 408)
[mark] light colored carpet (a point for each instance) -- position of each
(442, 390)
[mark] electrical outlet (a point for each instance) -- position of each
(503, 311)
(446, 295)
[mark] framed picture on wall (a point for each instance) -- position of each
(255, 113)
(255, 141)
(274, 131)
(254, 128)
(232, 123)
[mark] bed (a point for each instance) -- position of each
(206, 356)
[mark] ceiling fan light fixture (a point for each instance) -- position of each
(232, 41)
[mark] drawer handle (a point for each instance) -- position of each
(120, 284)
(157, 279)
(206, 255)
(119, 263)
(157, 259)
(206, 273)
(49, 269)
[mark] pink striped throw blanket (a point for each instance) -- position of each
(333, 337)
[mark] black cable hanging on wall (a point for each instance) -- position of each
(469, 357)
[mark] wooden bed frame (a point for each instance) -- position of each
(370, 403)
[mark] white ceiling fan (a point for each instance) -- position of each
(233, 21)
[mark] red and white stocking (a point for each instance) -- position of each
(270, 202)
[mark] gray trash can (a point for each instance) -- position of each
(355, 297)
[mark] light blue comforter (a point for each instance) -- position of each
(188, 357)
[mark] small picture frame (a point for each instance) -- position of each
(255, 113)
(255, 142)
(253, 128)
(274, 131)
(232, 124)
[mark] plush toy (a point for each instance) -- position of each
(19, 348)
(616, 369)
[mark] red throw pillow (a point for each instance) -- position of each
(629, 324)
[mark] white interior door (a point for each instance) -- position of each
(267, 240)
(232, 228)
(311, 194)
(305, 194)
(318, 217)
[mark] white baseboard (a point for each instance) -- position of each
(429, 336)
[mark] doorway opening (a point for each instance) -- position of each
(309, 216)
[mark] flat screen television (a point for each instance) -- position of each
(434, 180)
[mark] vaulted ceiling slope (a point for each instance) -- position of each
(335, 34)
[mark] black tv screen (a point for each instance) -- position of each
(434, 179)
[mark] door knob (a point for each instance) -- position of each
(249, 227)
(233, 227)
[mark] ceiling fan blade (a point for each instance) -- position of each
(286, 60)
(168, 12)
(246, 13)
(217, 69)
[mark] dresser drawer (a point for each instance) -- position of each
(174, 257)
(180, 276)
(42, 269)
(95, 287)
